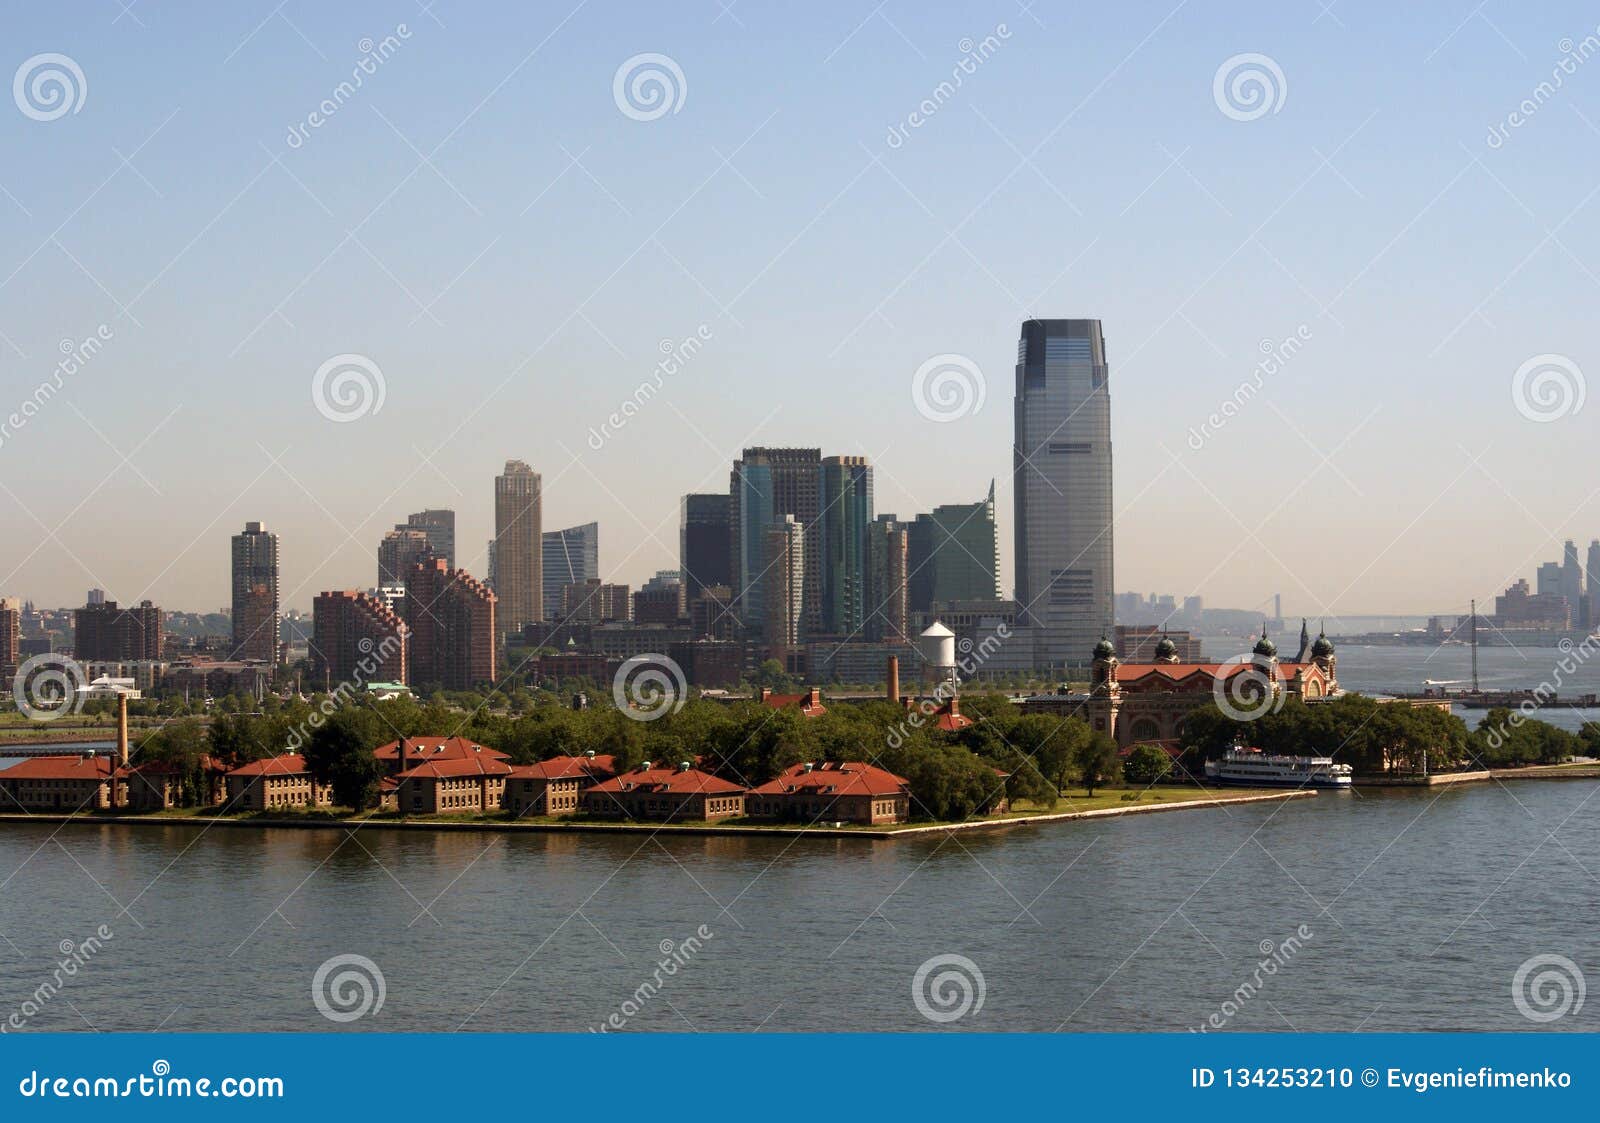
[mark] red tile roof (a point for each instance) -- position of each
(598, 767)
(668, 780)
(453, 769)
(289, 764)
(809, 703)
(852, 777)
(1184, 672)
(419, 749)
(74, 767)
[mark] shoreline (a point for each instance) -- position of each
(510, 826)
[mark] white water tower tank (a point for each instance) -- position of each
(937, 647)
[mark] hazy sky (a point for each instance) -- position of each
(483, 221)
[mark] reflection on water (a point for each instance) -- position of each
(1421, 905)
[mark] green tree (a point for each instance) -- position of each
(1097, 762)
(1147, 764)
(340, 754)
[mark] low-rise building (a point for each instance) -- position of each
(665, 795)
(554, 786)
(809, 703)
(832, 791)
(452, 787)
(408, 752)
(67, 783)
(274, 783)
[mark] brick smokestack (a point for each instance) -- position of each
(894, 680)
(122, 730)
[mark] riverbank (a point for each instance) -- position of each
(1113, 806)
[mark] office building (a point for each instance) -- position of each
(106, 633)
(1547, 580)
(453, 636)
(963, 551)
(784, 586)
(1061, 467)
(400, 549)
(440, 527)
(887, 560)
(94, 597)
(594, 601)
(661, 599)
(518, 550)
(765, 486)
(356, 638)
(705, 543)
(571, 557)
(256, 615)
(1571, 575)
(10, 640)
(845, 515)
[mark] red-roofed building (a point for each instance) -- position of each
(949, 718)
(665, 794)
(274, 783)
(831, 791)
(79, 782)
(554, 786)
(809, 703)
(463, 786)
(420, 750)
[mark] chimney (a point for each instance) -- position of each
(814, 696)
(763, 693)
(894, 680)
(122, 729)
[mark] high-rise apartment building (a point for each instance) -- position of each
(705, 542)
(10, 640)
(766, 485)
(783, 587)
(1061, 468)
(440, 527)
(400, 549)
(887, 558)
(518, 549)
(453, 637)
(595, 602)
(104, 633)
(256, 611)
(846, 501)
(95, 596)
(356, 638)
(570, 557)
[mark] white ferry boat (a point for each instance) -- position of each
(1254, 768)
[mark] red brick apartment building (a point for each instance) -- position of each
(356, 638)
(665, 794)
(554, 786)
(832, 791)
(274, 783)
(451, 615)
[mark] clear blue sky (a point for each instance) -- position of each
(483, 222)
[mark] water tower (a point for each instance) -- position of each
(937, 646)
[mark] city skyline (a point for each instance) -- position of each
(1204, 242)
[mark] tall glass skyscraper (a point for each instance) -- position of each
(569, 557)
(845, 516)
(1061, 468)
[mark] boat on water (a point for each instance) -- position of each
(1256, 769)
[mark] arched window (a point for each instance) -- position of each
(1146, 729)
